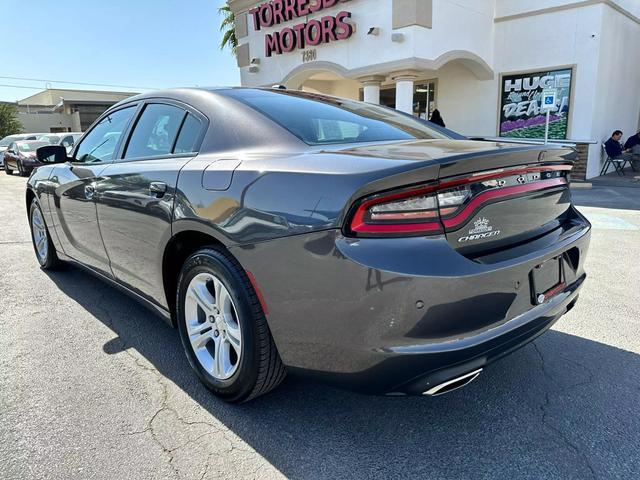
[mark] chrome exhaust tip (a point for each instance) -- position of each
(453, 384)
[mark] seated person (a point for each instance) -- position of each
(614, 147)
(615, 150)
(633, 144)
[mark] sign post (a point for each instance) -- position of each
(548, 104)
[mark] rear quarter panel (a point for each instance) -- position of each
(277, 196)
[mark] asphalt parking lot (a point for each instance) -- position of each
(94, 386)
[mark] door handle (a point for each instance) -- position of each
(89, 191)
(158, 189)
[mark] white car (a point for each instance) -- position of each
(66, 139)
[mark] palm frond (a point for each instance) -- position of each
(228, 26)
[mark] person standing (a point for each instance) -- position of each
(437, 118)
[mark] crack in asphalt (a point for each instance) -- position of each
(559, 433)
(164, 407)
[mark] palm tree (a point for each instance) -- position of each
(228, 26)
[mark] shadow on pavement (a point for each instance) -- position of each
(566, 407)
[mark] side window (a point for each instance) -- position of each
(101, 142)
(155, 131)
(188, 136)
(67, 141)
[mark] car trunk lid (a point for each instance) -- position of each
(490, 195)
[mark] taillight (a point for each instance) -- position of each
(410, 211)
(451, 200)
(430, 209)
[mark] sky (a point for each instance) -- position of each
(136, 45)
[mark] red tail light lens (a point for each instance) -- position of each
(406, 212)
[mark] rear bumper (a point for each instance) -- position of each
(402, 315)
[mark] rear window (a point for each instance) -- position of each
(30, 147)
(155, 132)
(320, 120)
(188, 137)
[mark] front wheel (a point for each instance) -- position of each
(21, 171)
(7, 170)
(42, 244)
(223, 328)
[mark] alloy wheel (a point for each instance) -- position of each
(39, 232)
(212, 325)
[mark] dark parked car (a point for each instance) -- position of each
(341, 239)
(21, 156)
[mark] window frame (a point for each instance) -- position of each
(187, 109)
(125, 133)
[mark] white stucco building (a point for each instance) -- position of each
(482, 63)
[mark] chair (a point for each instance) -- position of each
(618, 163)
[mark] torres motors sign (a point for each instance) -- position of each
(328, 28)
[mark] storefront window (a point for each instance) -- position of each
(388, 96)
(424, 99)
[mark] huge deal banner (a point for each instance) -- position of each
(521, 115)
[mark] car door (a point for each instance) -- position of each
(73, 186)
(135, 195)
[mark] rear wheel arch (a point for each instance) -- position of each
(178, 249)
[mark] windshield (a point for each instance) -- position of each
(7, 140)
(30, 146)
(51, 139)
(321, 120)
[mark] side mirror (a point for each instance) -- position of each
(52, 154)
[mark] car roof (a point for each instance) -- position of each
(238, 126)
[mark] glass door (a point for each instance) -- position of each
(424, 99)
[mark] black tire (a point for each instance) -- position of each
(260, 368)
(21, 170)
(7, 170)
(51, 260)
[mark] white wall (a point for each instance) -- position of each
(470, 21)
(556, 39)
(467, 105)
(515, 7)
(605, 46)
(617, 98)
(43, 122)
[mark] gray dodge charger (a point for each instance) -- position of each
(288, 231)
